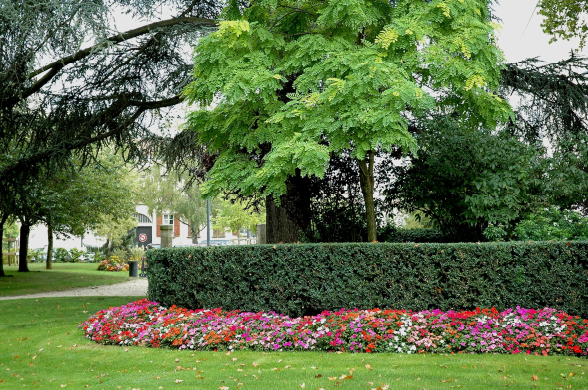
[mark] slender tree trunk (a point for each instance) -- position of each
(366, 181)
(25, 229)
(49, 260)
(2, 221)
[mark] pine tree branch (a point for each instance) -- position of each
(56, 66)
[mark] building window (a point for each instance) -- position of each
(142, 218)
(168, 219)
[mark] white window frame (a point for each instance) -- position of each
(167, 219)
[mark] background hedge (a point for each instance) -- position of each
(391, 233)
(308, 278)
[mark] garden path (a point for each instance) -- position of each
(133, 288)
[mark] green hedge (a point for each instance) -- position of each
(393, 234)
(308, 278)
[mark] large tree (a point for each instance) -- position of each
(284, 86)
(71, 81)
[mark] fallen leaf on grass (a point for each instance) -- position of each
(255, 364)
(177, 360)
(369, 367)
(446, 380)
(178, 380)
(234, 359)
(534, 378)
(303, 385)
(223, 388)
(332, 378)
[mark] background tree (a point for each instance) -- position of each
(235, 215)
(565, 19)
(464, 180)
(71, 82)
(89, 198)
(169, 191)
(294, 83)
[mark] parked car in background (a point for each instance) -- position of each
(153, 246)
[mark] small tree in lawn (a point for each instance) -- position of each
(284, 86)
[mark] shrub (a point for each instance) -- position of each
(61, 255)
(307, 279)
(391, 233)
(75, 255)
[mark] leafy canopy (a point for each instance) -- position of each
(565, 19)
(286, 85)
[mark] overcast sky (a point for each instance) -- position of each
(533, 43)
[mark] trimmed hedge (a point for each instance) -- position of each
(306, 279)
(393, 234)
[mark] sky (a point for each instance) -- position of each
(519, 44)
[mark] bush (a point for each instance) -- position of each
(75, 255)
(61, 255)
(391, 233)
(307, 279)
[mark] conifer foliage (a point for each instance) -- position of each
(283, 86)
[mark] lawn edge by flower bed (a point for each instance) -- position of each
(545, 331)
(306, 279)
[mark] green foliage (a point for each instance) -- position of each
(553, 224)
(236, 216)
(391, 233)
(296, 83)
(465, 179)
(120, 256)
(76, 255)
(565, 19)
(309, 278)
(61, 255)
(169, 193)
(137, 253)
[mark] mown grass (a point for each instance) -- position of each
(41, 347)
(63, 276)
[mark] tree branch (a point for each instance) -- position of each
(80, 143)
(56, 66)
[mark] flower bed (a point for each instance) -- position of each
(112, 265)
(546, 331)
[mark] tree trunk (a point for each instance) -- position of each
(49, 259)
(280, 228)
(366, 181)
(1, 247)
(25, 229)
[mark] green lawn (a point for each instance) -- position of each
(63, 276)
(41, 347)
